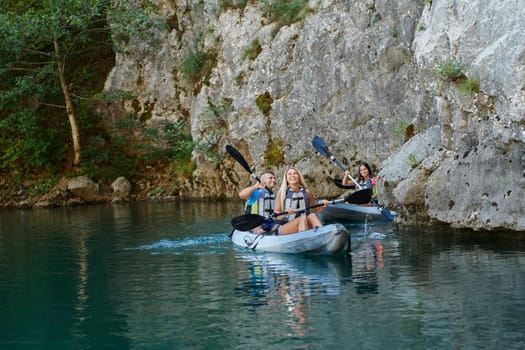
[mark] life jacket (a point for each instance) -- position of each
(370, 183)
(366, 184)
(296, 200)
(373, 182)
(261, 203)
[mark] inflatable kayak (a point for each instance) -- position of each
(344, 212)
(326, 240)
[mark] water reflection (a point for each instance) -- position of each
(293, 282)
(365, 262)
(368, 246)
(166, 276)
(81, 287)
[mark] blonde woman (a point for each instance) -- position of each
(294, 195)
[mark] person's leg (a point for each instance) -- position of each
(303, 223)
(314, 221)
(289, 227)
(257, 230)
(298, 224)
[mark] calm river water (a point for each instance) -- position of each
(166, 276)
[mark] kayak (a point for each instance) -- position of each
(325, 240)
(344, 212)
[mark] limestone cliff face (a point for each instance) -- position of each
(473, 161)
(362, 75)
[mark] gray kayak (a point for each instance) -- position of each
(350, 213)
(325, 240)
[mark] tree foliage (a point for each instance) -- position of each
(55, 54)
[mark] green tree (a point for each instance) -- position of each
(40, 42)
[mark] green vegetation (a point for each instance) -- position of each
(264, 103)
(253, 50)
(233, 4)
(55, 57)
(157, 192)
(198, 65)
(29, 141)
(403, 131)
(393, 32)
(180, 143)
(375, 17)
(285, 12)
(43, 186)
(129, 145)
(450, 71)
(469, 86)
(453, 71)
(213, 126)
(199, 61)
(412, 161)
(239, 79)
(273, 155)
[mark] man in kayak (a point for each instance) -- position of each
(260, 200)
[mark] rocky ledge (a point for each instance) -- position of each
(83, 190)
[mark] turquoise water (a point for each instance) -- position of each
(166, 276)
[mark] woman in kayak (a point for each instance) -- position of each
(365, 179)
(295, 199)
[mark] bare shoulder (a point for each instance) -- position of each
(309, 193)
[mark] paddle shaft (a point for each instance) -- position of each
(332, 158)
(310, 207)
(249, 221)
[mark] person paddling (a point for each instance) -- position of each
(365, 179)
(260, 200)
(294, 195)
(259, 197)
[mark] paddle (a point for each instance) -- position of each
(339, 183)
(360, 197)
(239, 158)
(249, 221)
(321, 147)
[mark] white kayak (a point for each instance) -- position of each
(344, 212)
(326, 240)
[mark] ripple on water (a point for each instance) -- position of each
(202, 245)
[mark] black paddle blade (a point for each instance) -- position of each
(238, 157)
(339, 183)
(247, 221)
(360, 197)
(320, 146)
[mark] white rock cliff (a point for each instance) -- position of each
(361, 74)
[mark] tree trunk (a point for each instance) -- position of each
(75, 136)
